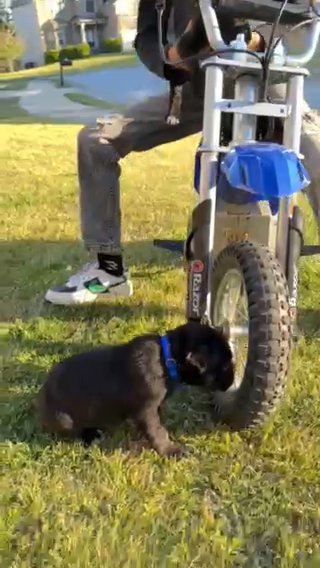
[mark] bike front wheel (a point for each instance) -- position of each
(250, 302)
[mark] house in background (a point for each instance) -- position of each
(5, 10)
(49, 24)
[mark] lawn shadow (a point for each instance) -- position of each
(31, 266)
(112, 312)
(309, 322)
(54, 254)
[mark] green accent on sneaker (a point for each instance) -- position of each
(96, 287)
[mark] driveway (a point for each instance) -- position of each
(131, 85)
(119, 86)
(43, 99)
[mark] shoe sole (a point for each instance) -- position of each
(124, 290)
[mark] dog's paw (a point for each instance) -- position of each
(177, 451)
(172, 120)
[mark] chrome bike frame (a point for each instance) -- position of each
(246, 108)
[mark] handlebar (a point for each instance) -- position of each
(266, 11)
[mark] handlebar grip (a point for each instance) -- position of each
(267, 11)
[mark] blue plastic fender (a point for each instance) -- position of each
(259, 172)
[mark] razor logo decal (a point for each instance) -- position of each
(197, 269)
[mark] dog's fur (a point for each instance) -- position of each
(193, 42)
(87, 392)
(175, 102)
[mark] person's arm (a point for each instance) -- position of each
(147, 43)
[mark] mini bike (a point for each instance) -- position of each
(245, 237)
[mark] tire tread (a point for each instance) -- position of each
(269, 324)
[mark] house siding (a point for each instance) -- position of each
(43, 24)
(26, 22)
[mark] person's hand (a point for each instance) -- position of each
(173, 54)
(257, 42)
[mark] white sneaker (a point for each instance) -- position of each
(85, 286)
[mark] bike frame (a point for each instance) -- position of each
(213, 220)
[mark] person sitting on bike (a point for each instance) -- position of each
(101, 147)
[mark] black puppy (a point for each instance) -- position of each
(90, 391)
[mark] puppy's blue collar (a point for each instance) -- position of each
(171, 364)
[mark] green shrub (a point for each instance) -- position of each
(112, 45)
(79, 51)
(52, 56)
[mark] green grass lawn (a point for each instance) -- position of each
(89, 64)
(11, 111)
(88, 100)
(12, 84)
(249, 500)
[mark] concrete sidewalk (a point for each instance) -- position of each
(43, 99)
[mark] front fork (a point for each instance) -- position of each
(200, 243)
(295, 244)
(290, 219)
(199, 261)
(197, 254)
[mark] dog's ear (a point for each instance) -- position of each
(199, 359)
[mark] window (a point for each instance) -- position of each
(90, 6)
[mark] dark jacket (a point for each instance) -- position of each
(147, 43)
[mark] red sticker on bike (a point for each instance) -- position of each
(197, 266)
